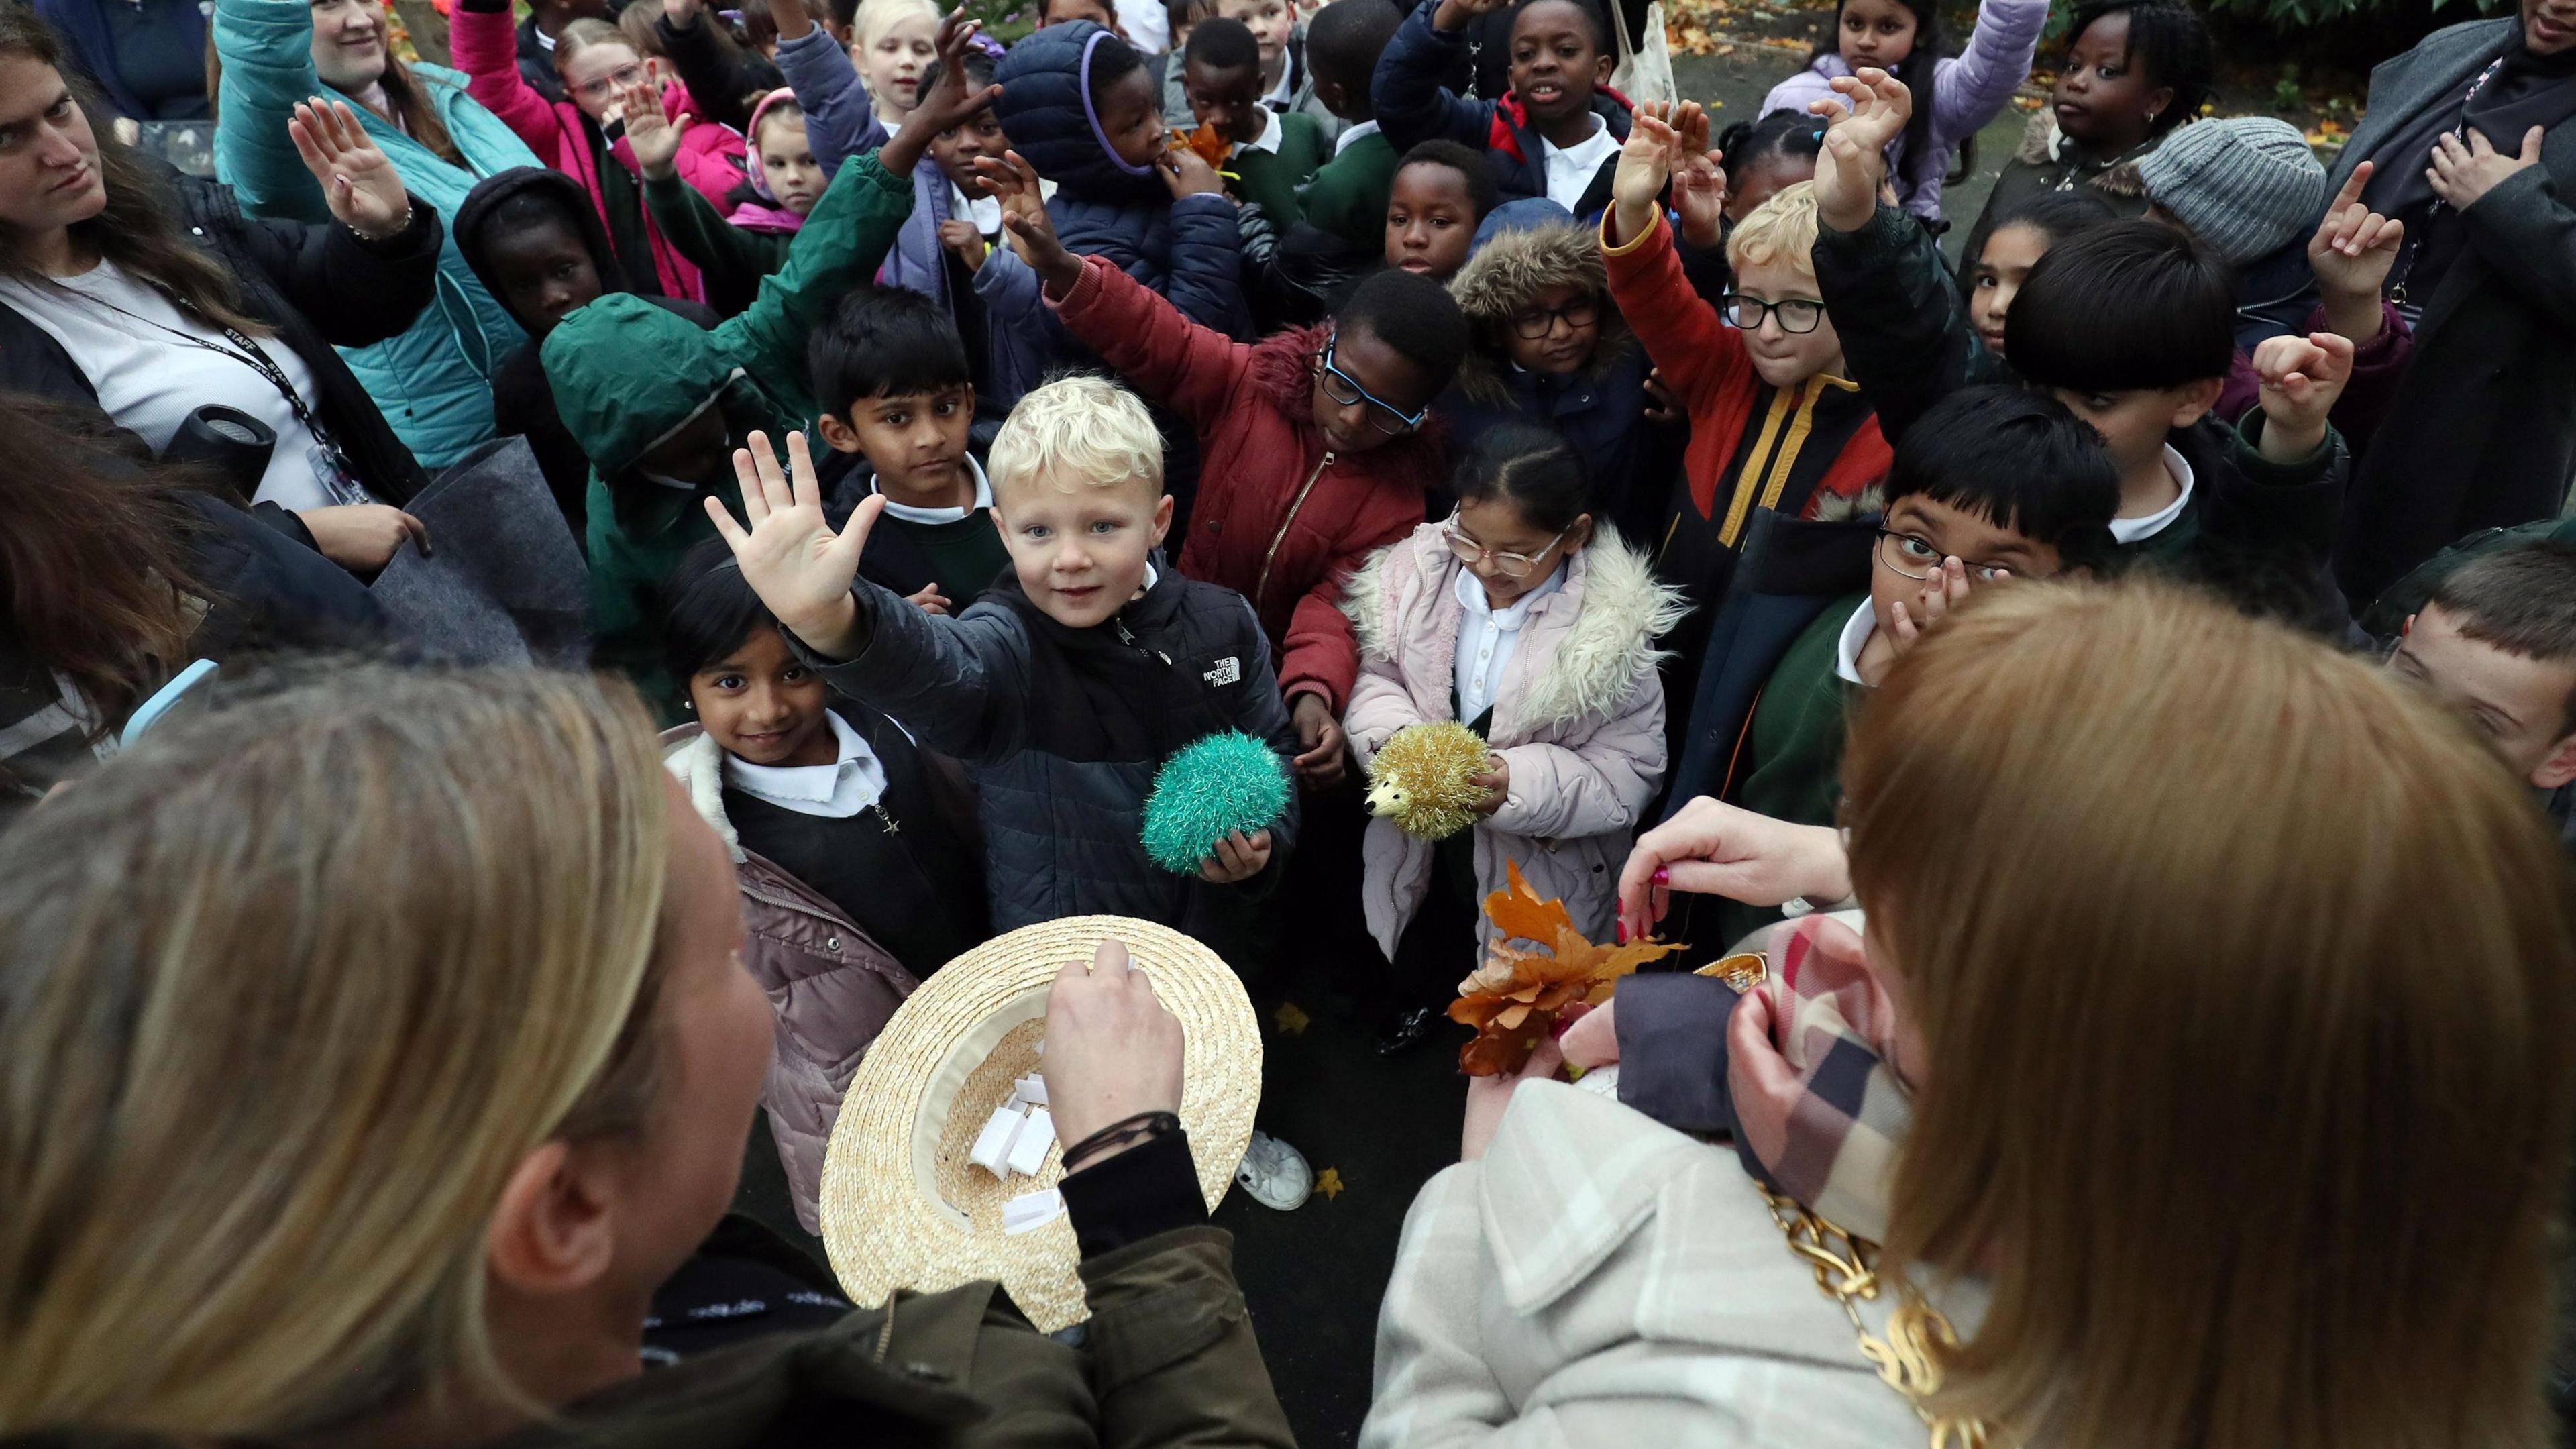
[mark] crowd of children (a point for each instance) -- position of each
(953, 432)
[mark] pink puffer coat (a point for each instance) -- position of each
(832, 987)
(1579, 718)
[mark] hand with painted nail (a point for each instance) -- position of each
(1712, 848)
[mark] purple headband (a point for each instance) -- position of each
(1091, 114)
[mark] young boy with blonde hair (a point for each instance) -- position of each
(1065, 688)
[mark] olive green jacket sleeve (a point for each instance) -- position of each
(725, 252)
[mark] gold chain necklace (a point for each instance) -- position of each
(1908, 1360)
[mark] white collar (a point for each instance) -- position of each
(910, 514)
(1855, 638)
(984, 211)
(1284, 93)
(1471, 593)
(1268, 140)
(851, 783)
(545, 42)
(1599, 143)
(1150, 576)
(2132, 530)
(1342, 142)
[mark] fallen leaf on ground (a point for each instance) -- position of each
(1329, 1183)
(1292, 1021)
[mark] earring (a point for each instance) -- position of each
(690, 705)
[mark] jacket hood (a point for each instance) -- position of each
(1046, 112)
(474, 217)
(2039, 148)
(1598, 661)
(695, 760)
(625, 373)
(1505, 274)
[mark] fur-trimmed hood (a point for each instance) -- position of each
(695, 760)
(2039, 148)
(1597, 661)
(1502, 277)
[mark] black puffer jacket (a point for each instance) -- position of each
(1063, 730)
(318, 285)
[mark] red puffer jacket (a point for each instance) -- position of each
(1279, 519)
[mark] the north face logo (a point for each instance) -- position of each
(1229, 670)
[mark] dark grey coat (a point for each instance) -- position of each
(1063, 730)
(2482, 431)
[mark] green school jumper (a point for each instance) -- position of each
(1347, 198)
(965, 555)
(1272, 179)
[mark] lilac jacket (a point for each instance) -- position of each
(1967, 91)
(1579, 719)
(840, 120)
(832, 987)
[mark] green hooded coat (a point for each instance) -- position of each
(628, 374)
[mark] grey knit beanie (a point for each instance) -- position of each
(2245, 186)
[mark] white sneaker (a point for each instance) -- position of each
(1275, 1173)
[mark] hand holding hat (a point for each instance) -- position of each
(1112, 1049)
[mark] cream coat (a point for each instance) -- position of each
(1579, 717)
(1600, 1279)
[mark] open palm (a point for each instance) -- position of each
(359, 182)
(785, 546)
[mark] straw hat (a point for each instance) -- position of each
(902, 1206)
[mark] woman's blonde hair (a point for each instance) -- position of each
(583, 34)
(2247, 985)
(286, 994)
(1782, 229)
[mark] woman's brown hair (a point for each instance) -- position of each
(93, 560)
(2246, 984)
(138, 230)
(287, 993)
(414, 113)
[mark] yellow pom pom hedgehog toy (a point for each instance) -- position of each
(1423, 779)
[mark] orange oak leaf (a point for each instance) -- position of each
(1516, 997)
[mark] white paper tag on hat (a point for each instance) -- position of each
(1031, 1210)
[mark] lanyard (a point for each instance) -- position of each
(246, 350)
(2415, 243)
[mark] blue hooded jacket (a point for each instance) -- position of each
(1186, 249)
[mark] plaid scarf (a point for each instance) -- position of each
(1817, 1110)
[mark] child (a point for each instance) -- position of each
(2497, 642)
(1313, 444)
(955, 225)
(855, 851)
(1521, 618)
(1440, 197)
(1057, 12)
(1181, 17)
(1287, 81)
(733, 255)
(2014, 245)
(1347, 199)
(1556, 133)
(1994, 483)
(1903, 38)
(1773, 421)
(1550, 346)
(658, 405)
(1764, 158)
(2134, 70)
(536, 38)
(1271, 155)
(891, 374)
(1064, 690)
(533, 239)
(2250, 189)
(2132, 325)
(891, 44)
(604, 78)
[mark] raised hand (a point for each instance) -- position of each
(1187, 173)
(1700, 196)
(2302, 377)
(1853, 161)
(1645, 164)
(1014, 182)
(358, 182)
(652, 136)
(2351, 254)
(2463, 175)
(943, 107)
(1453, 15)
(787, 550)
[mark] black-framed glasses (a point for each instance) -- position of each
(1345, 389)
(1916, 558)
(1509, 565)
(1537, 323)
(1798, 315)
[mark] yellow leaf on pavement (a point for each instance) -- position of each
(1329, 1182)
(1292, 1021)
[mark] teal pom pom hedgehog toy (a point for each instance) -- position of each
(1423, 779)
(1208, 790)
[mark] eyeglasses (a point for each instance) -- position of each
(1509, 565)
(1917, 559)
(1798, 316)
(1345, 389)
(616, 80)
(1576, 315)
